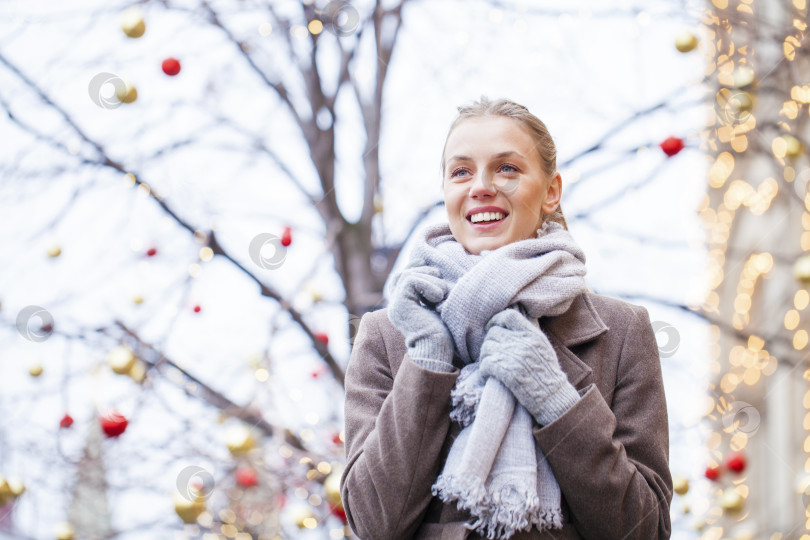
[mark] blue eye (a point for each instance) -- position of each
(457, 172)
(512, 168)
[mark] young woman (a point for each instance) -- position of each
(496, 396)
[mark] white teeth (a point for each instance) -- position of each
(486, 216)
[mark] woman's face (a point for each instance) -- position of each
(494, 184)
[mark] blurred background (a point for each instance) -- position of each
(199, 200)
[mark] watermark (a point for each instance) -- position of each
(741, 417)
(673, 338)
(503, 184)
(104, 99)
(732, 106)
(259, 247)
(354, 326)
(340, 18)
(35, 332)
(194, 483)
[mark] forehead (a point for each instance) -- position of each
(489, 135)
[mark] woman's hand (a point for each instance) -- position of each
(518, 353)
(418, 289)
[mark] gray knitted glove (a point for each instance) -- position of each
(415, 293)
(518, 353)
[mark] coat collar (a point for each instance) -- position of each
(579, 324)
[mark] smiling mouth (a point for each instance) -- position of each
(487, 218)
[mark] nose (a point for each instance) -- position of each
(482, 186)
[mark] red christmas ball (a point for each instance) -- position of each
(151, 252)
(286, 237)
(736, 462)
(336, 439)
(113, 423)
(66, 421)
(171, 66)
(337, 511)
(671, 146)
(197, 308)
(322, 337)
(713, 473)
(246, 477)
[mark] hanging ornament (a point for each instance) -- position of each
(54, 251)
(197, 308)
(189, 509)
(132, 22)
(246, 477)
(113, 423)
(303, 518)
(801, 269)
(121, 359)
(137, 299)
(712, 473)
(126, 93)
(731, 500)
(736, 462)
(138, 371)
(323, 337)
(286, 237)
(5, 491)
(743, 76)
(672, 145)
(680, 484)
(171, 66)
(793, 146)
(151, 252)
(238, 439)
(686, 42)
(66, 421)
(35, 369)
(378, 204)
(64, 531)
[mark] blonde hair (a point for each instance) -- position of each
(536, 128)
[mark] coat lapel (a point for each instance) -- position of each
(581, 323)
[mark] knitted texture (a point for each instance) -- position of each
(494, 468)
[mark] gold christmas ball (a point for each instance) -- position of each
(238, 439)
(137, 299)
(5, 491)
(801, 269)
(686, 41)
(64, 531)
(731, 500)
(138, 372)
(35, 370)
(127, 94)
(132, 22)
(332, 487)
(16, 486)
(121, 359)
(743, 76)
(303, 518)
(680, 484)
(188, 510)
(793, 147)
(54, 251)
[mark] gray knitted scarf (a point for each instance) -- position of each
(495, 470)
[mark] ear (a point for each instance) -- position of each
(553, 194)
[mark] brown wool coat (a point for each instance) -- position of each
(609, 453)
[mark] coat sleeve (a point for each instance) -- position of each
(612, 461)
(395, 429)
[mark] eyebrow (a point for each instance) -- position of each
(496, 156)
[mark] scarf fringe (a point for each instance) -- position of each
(498, 515)
(466, 395)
